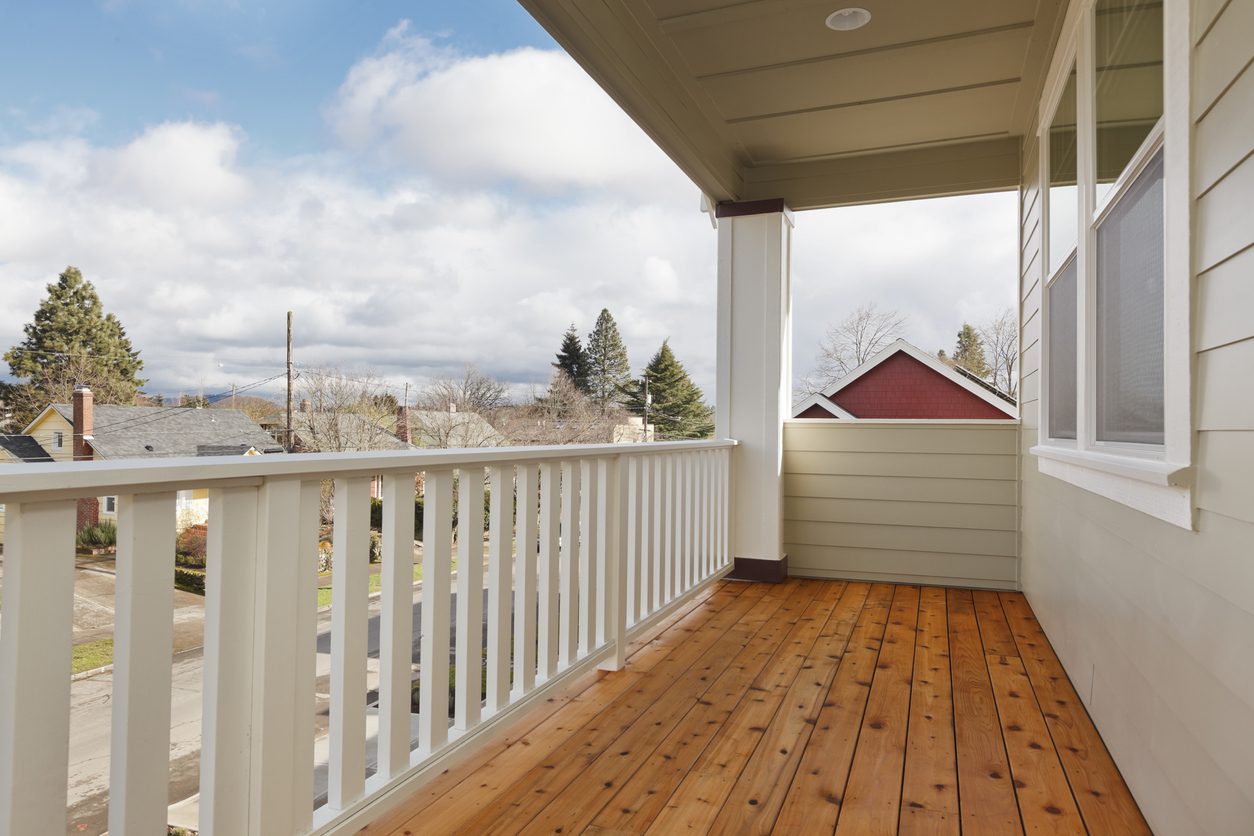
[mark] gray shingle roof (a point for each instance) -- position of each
(132, 432)
(24, 448)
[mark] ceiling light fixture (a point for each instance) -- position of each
(846, 20)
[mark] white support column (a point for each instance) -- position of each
(755, 367)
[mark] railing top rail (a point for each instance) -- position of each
(37, 482)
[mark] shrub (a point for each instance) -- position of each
(189, 548)
(376, 515)
(189, 581)
(102, 535)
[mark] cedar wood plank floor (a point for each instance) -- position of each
(803, 707)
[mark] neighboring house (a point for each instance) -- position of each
(19, 449)
(85, 431)
(902, 381)
(435, 429)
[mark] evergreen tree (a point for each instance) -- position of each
(678, 408)
(608, 369)
(969, 352)
(71, 341)
(572, 359)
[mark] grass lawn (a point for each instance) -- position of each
(324, 592)
(91, 655)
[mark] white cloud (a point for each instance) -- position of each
(530, 117)
(515, 197)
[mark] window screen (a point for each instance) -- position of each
(1130, 313)
(1062, 353)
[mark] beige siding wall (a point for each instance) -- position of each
(1155, 624)
(918, 501)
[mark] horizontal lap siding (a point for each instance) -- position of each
(1150, 620)
(918, 502)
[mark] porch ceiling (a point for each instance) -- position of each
(759, 99)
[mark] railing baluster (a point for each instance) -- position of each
(605, 536)
(568, 641)
(35, 666)
(350, 577)
(304, 694)
(645, 509)
(396, 624)
(500, 597)
(633, 553)
(706, 566)
(550, 508)
(469, 598)
(277, 674)
(656, 469)
(588, 556)
(525, 582)
(437, 557)
(615, 473)
(672, 528)
(139, 751)
(230, 577)
(687, 518)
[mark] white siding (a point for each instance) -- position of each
(909, 501)
(1153, 622)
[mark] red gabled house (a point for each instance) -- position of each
(904, 382)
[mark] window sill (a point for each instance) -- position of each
(1161, 489)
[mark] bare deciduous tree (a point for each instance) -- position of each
(562, 414)
(1001, 348)
(851, 343)
(474, 392)
(346, 412)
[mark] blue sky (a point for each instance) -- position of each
(426, 185)
(268, 66)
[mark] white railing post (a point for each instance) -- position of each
(230, 580)
(631, 522)
(350, 578)
(500, 530)
(396, 624)
(281, 610)
(525, 581)
(469, 598)
(550, 507)
(568, 640)
(35, 651)
(139, 751)
(437, 557)
(615, 504)
(587, 555)
(304, 693)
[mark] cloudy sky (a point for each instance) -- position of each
(425, 185)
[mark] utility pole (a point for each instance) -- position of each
(232, 396)
(288, 434)
(648, 399)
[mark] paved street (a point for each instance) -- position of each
(90, 720)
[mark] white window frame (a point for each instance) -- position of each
(58, 439)
(1155, 479)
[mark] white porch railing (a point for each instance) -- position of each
(607, 538)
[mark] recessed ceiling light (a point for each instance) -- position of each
(846, 20)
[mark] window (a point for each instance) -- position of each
(111, 504)
(1115, 260)
(1130, 314)
(58, 439)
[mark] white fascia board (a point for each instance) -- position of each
(823, 403)
(932, 363)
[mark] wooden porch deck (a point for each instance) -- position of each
(804, 707)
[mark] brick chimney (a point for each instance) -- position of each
(84, 423)
(304, 404)
(403, 432)
(84, 427)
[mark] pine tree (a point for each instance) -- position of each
(678, 408)
(572, 359)
(969, 352)
(71, 341)
(608, 369)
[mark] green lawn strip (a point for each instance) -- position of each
(91, 655)
(376, 583)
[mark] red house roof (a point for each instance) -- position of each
(903, 382)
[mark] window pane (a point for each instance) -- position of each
(1129, 54)
(1064, 210)
(1130, 313)
(1062, 353)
